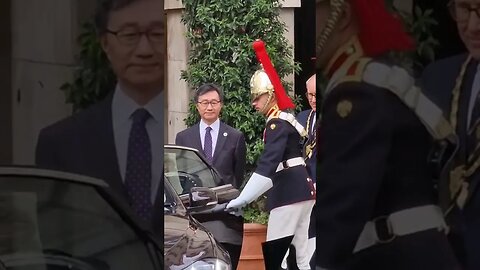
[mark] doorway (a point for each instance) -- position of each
(304, 47)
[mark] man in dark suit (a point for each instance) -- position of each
(308, 119)
(376, 206)
(120, 139)
(454, 84)
(224, 147)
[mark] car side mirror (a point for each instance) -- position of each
(201, 198)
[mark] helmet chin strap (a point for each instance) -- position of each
(267, 105)
(336, 12)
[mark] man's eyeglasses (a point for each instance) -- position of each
(131, 37)
(205, 103)
(460, 12)
(311, 96)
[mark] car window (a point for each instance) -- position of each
(171, 201)
(185, 169)
(51, 224)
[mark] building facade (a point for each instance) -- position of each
(38, 49)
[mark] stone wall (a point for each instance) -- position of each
(44, 46)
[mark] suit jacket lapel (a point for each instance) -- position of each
(220, 141)
(104, 147)
(196, 141)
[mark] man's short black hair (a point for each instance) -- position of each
(208, 87)
(104, 7)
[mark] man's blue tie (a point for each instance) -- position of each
(207, 147)
(473, 131)
(138, 176)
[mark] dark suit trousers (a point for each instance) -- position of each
(234, 252)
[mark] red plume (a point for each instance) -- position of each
(283, 100)
(380, 31)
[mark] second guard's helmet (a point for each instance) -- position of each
(336, 8)
(379, 30)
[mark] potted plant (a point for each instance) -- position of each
(254, 234)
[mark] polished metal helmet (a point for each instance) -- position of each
(260, 84)
(266, 80)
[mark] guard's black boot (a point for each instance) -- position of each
(274, 251)
(292, 259)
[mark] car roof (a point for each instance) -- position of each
(174, 146)
(26, 171)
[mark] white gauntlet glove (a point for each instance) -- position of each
(256, 186)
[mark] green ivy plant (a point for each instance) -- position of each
(221, 34)
(93, 77)
(418, 24)
(256, 213)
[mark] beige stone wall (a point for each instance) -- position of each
(177, 54)
(178, 93)
(44, 46)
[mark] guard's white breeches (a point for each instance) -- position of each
(293, 219)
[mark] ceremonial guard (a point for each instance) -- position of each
(377, 206)
(280, 170)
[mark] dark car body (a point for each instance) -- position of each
(186, 171)
(186, 241)
(55, 220)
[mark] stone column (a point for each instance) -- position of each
(287, 16)
(44, 48)
(178, 93)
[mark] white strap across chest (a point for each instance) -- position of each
(290, 118)
(398, 81)
(402, 84)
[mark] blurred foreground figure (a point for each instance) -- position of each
(377, 207)
(120, 139)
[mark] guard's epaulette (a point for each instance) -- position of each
(350, 72)
(290, 118)
(354, 72)
(275, 114)
(398, 81)
(403, 85)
